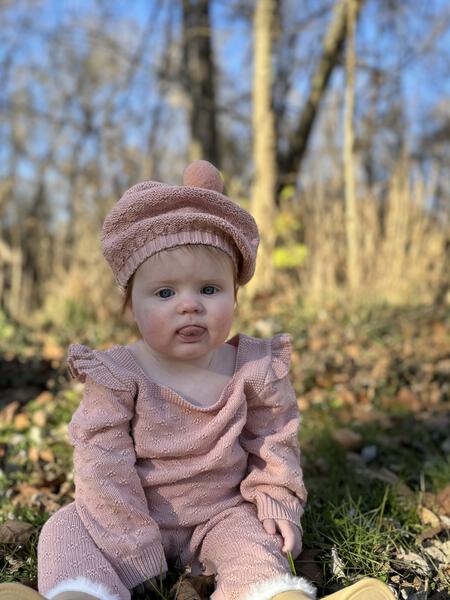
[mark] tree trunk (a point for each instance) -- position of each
(290, 161)
(264, 146)
(351, 217)
(198, 78)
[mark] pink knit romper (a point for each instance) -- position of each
(160, 480)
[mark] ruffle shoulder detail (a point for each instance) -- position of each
(104, 367)
(281, 351)
(268, 360)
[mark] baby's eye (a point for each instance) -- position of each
(165, 293)
(209, 290)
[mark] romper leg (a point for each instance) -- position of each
(237, 548)
(67, 552)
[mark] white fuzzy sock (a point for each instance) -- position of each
(81, 584)
(266, 590)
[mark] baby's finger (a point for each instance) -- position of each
(297, 543)
(288, 536)
(269, 526)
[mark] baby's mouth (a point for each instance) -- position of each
(191, 332)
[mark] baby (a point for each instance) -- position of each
(185, 442)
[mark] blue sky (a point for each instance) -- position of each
(423, 80)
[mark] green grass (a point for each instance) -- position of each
(19, 562)
(363, 539)
(355, 519)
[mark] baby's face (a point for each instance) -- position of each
(183, 302)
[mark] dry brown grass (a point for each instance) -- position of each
(401, 259)
(401, 245)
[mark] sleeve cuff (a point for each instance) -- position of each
(269, 508)
(135, 569)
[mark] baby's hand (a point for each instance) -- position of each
(290, 533)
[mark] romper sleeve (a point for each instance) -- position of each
(109, 496)
(274, 480)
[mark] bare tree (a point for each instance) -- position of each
(264, 145)
(198, 76)
(351, 217)
(289, 161)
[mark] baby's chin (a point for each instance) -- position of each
(185, 352)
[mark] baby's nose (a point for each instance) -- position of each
(190, 303)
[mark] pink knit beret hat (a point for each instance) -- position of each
(153, 216)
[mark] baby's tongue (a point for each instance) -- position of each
(191, 330)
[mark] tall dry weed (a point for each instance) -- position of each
(401, 245)
(86, 290)
(401, 255)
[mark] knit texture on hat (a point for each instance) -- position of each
(153, 216)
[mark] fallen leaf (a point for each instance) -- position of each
(22, 422)
(44, 398)
(8, 413)
(337, 566)
(40, 418)
(407, 398)
(380, 368)
(15, 532)
(415, 561)
(353, 350)
(315, 344)
(347, 438)
(325, 380)
(443, 368)
(439, 551)
(440, 502)
(346, 396)
(445, 521)
(52, 350)
(443, 501)
(314, 397)
(184, 590)
(439, 331)
(428, 517)
(366, 413)
(26, 492)
(433, 395)
(430, 532)
(47, 455)
(33, 454)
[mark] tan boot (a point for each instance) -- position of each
(17, 591)
(365, 589)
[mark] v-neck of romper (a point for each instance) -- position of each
(181, 399)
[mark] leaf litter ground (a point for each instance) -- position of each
(374, 391)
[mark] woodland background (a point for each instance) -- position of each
(330, 121)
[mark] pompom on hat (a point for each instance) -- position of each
(153, 216)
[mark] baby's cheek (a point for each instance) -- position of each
(225, 316)
(154, 330)
(151, 325)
